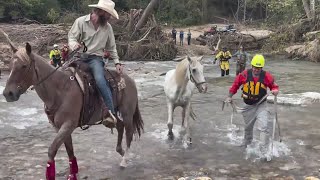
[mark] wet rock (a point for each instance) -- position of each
(195, 178)
(256, 177)
(234, 165)
(311, 178)
(288, 167)
(272, 174)
(224, 171)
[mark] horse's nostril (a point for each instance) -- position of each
(10, 93)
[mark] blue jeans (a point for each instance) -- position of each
(96, 65)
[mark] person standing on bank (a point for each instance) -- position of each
(174, 35)
(181, 37)
(97, 34)
(189, 37)
(255, 82)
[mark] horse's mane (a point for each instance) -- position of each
(22, 54)
(181, 70)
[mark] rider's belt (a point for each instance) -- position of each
(84, 56)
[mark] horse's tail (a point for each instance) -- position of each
(192, 114)
(137, 121)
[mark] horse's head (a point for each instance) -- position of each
(196, 73)
(22, 72)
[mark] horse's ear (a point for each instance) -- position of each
(13, 48)
(200, 58)
(28, 48)
(189, 59)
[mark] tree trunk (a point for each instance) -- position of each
(204, 11)
(146, 13)
(244, 10)
(312, 9)
(306, 8)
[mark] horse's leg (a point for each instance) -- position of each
(170, 119)
(187, 125)
(72, 159)
(128, 124)
(183, 114)
(65, 130)
(120, 128)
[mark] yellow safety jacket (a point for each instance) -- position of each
(252, 92)
(55, 54)
(224, 56)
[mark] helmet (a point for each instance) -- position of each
(55, 45)
(258, 60)
(224, 48)
(65, 45)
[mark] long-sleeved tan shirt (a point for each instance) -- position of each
(95, 40)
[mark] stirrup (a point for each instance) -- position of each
(110, 121)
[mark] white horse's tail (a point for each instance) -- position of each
(192, 114)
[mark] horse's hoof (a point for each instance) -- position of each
(170, 136)
(51, 171)
(72, 177)
(123, 165)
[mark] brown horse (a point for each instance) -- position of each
(59, 91)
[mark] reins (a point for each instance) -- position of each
(69, 57)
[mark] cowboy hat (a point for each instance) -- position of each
(106, 5)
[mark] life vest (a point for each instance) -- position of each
(224, 56)
(252, 92)
(56, 54)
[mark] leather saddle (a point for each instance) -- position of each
(92, 99)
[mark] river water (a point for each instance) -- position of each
(25, 133)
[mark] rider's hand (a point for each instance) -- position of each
(228, 100)
(77, 47)
(106, 54)
(275, 92)
(119, 68)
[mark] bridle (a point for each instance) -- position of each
(19, 87)
(193, 80)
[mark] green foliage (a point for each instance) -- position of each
(53, 15)
(177, 12)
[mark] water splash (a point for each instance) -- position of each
(161, 131)
(254, 151)
(300, 142)
(297, 99)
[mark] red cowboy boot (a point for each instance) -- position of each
(73, 169)
(51, 171)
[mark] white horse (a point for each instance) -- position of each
(179, 86)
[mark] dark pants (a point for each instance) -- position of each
(189, 40)
(56, 62)
(96, 65)
(174, 39)
(224, 71)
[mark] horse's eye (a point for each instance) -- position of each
(24, 66)
(194, 70)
